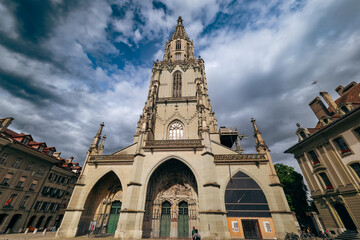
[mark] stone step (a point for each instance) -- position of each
(349, 235)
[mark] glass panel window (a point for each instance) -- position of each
(176, 131)
(25, 141)
(16, 164)
(342, 145)
(24, 201)
(6, 179)
(303, 135)
(50, 178)
(38, 205)
(356, 168)
(33, 184)
(178, 45)
(21, 182)
(357, 131)
(178, 56)
(344, 109)
(326, 181)
(177, 84)
(4, 158)
(41, 170)
(30, 166)
(9, 202)
(313, 157)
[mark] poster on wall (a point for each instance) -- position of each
(235, 226)
(267, 226)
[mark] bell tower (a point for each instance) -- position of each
(178, 104)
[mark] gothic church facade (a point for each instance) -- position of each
(180, 172)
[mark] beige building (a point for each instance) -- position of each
(27, 169)
(329, 157)
(180, 171)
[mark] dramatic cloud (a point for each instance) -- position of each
(66, 66)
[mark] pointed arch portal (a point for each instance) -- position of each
(244, 198)
(102, 205)
(171, 205)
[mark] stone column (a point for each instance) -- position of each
(131, 216)
(174, 220)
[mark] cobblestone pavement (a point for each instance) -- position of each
(47, 236)
(51, 235)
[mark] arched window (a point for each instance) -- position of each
(176, 131)
(178, 45)
(177, 84)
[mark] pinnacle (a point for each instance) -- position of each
(179, 31)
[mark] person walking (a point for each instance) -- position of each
(193, 232)
(196, 235)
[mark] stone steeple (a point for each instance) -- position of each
(178, 92)
(179, 46)
(180, 32)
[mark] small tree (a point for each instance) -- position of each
(295, 191)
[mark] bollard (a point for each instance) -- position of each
(26, 230)
(35, 231)
(44, 232)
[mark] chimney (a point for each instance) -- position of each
(349, 87)
(340, 90)
(56, 154)
(318, 108)
(329, 101)
(4, 123)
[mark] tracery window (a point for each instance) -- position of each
(177, 84)
(178, 45)
(176, 131)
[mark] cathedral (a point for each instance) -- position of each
(181, 171)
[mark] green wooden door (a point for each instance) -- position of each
(165, 220)
(183, 224)
(114, 216)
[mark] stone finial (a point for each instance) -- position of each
(261, 147)
(180, 20)
(298, 125)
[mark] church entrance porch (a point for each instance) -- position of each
(102, 206)
(171, 207)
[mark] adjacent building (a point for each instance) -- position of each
(35, 182)
(329, 157)
(181, 171)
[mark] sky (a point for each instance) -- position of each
(67, 66)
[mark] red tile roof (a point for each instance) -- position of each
(351, 96)
(12, 135)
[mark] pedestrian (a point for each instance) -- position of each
(193, 232)
(196, 235)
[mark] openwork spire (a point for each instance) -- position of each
(179, 31)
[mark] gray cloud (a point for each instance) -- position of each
(73, 73)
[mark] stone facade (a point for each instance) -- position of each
(30, 195)
(329, 157)
(178, 174)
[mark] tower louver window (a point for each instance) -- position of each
(178, 45)
(177, 85)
